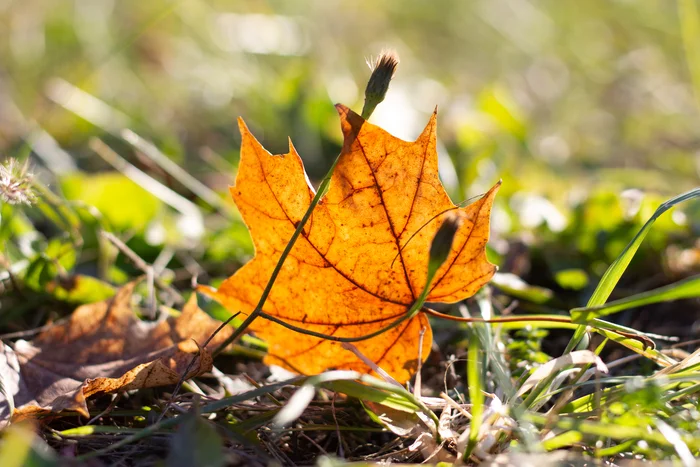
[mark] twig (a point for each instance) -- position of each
(142, 265)
(190, 365)
(455, 405)
(177, 172)
(217, 161)
(376, 368)
(682, 344)
(109, 408)
(417, 385)
(163, 260)
(187, 208)
(255, 384)
(191, 266)
(13, 280)
(318, 446)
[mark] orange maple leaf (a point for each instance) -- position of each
(362, 259)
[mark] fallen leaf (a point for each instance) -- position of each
(399, 422)
(578, 357)
(103, 348)
(362, 259)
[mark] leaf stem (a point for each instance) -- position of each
(418, 306)
(413, 311)
(380, 79)
(322, 190)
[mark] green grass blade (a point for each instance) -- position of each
(364, 392)
(252, 394)
(636, 346)
(494, 360)
(617, 268)
(563, 440)
(687, 288)
(614, 272)
(476, 390)
(90, 430)
(610, 430)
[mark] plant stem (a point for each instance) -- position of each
(377, 86)
(413, 311)
(418, 306)
(322, 189)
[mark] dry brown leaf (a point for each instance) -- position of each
(103, 348)
(362, 258)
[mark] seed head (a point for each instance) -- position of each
(383, 69)
(16, 183)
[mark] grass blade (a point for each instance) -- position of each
(617, 268)
(610, 430)
(687, 288)
(614, 272)
(552, 367)
(476, 390)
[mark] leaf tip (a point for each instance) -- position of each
(350, 122)
(292, 149)
(494, 189)
(242, 127)
(207, 290)
(429, 133)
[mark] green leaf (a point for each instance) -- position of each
(39, 273)
(90, 430)
(609, 430)
(44, 268)
(13, 222)
(498, 104)
(121, 201)
(231, 242)
(516, 287)
(80, 289)
(687, 288)
(573, 279)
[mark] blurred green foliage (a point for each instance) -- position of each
(122, 203)
(543, 88)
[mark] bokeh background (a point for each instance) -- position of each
(588, 111)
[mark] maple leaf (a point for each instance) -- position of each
(362, 258)
(103, 348)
